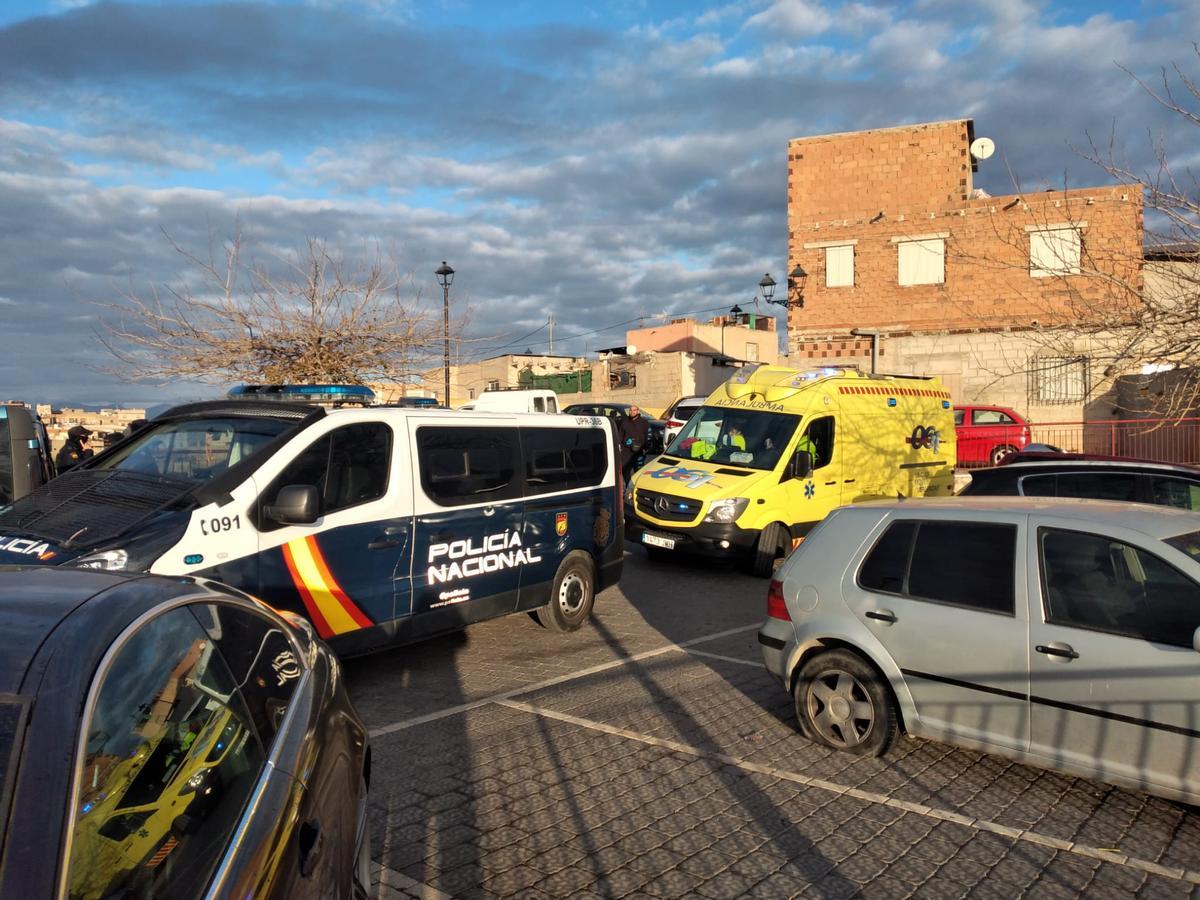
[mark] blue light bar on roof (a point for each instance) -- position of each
(305, 393)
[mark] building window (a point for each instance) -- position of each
(751, 352)
(1054, 251)
(493, 385)
(1058, 379)
(839, 266)
(470, 393)
(921, 261)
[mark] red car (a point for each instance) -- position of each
(987, 434)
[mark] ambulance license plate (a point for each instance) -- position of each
(655, 541)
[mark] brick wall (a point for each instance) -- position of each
(919, 178)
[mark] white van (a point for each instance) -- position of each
(515, 400)
(380, 525)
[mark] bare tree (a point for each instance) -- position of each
(307, 318)
(1129, 305)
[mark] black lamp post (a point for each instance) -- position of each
(766, 288)
(445, 276)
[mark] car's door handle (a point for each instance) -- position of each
(311, 843)
(882, 615)
(1063, 651)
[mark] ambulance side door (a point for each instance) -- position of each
(810, 499)
(351, 568)
(467, 550)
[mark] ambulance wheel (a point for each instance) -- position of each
(771, 545)
(573, 594)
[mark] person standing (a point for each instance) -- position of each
(632, 431)
(75, 450)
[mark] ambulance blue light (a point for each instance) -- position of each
(891, 401)
(945, 404)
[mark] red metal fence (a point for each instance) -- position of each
(1162, 440)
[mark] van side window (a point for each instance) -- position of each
(551, 405)
(559, 459)
(539, 404)
(348, 466)
(468, 465)
(818, 440)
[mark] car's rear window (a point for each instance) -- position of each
(12, 721)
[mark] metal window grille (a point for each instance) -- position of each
(1058, 379)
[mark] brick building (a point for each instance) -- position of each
(895, 239)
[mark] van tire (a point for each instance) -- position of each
(769, 547)
(844, 704)
(572, 596)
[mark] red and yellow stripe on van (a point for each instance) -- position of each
(327, 604)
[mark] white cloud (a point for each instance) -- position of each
(792, 18)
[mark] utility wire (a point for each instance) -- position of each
(605, 328)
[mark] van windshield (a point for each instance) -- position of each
(738, 437)
(195, 450)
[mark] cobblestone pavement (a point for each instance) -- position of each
(651, 755)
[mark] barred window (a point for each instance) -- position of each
(1058, 379)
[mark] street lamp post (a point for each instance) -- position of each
(795, 289)
(445, 276)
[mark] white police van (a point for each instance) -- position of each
(382, 525)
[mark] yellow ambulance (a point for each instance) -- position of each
(775, 449)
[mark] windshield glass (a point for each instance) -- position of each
(738, 437)
(195, 450)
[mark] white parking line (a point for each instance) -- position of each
(551, 682)
(757, 663)
(1016, 834)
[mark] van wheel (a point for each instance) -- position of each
(998, 453)
(842, 703)
(572, 596)
(769, 547)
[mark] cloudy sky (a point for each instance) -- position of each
(598, 160)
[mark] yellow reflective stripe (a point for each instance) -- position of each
(335, 614)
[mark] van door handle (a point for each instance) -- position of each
(848, 481)
(882, 615)
(1064, 652)
(393, 536)
(832, 482)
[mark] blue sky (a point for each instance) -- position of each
(602, 161)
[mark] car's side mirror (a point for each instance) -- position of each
(1196, 640)
(295, 504)
(802, 464)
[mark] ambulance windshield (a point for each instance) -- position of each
(195, 450)
(737, 437)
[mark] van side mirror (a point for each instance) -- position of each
(1196, 640)
(295, 504)
(802, 464)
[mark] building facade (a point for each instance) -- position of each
(980, 290)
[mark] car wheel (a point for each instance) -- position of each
(572, 596)
(770, 546)
(998, 453)
(842, 702)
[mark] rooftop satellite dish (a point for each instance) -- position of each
(982, 148)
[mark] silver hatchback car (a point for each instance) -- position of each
(1061, 633)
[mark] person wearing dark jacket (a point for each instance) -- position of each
(631, 433)
(75, 450)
